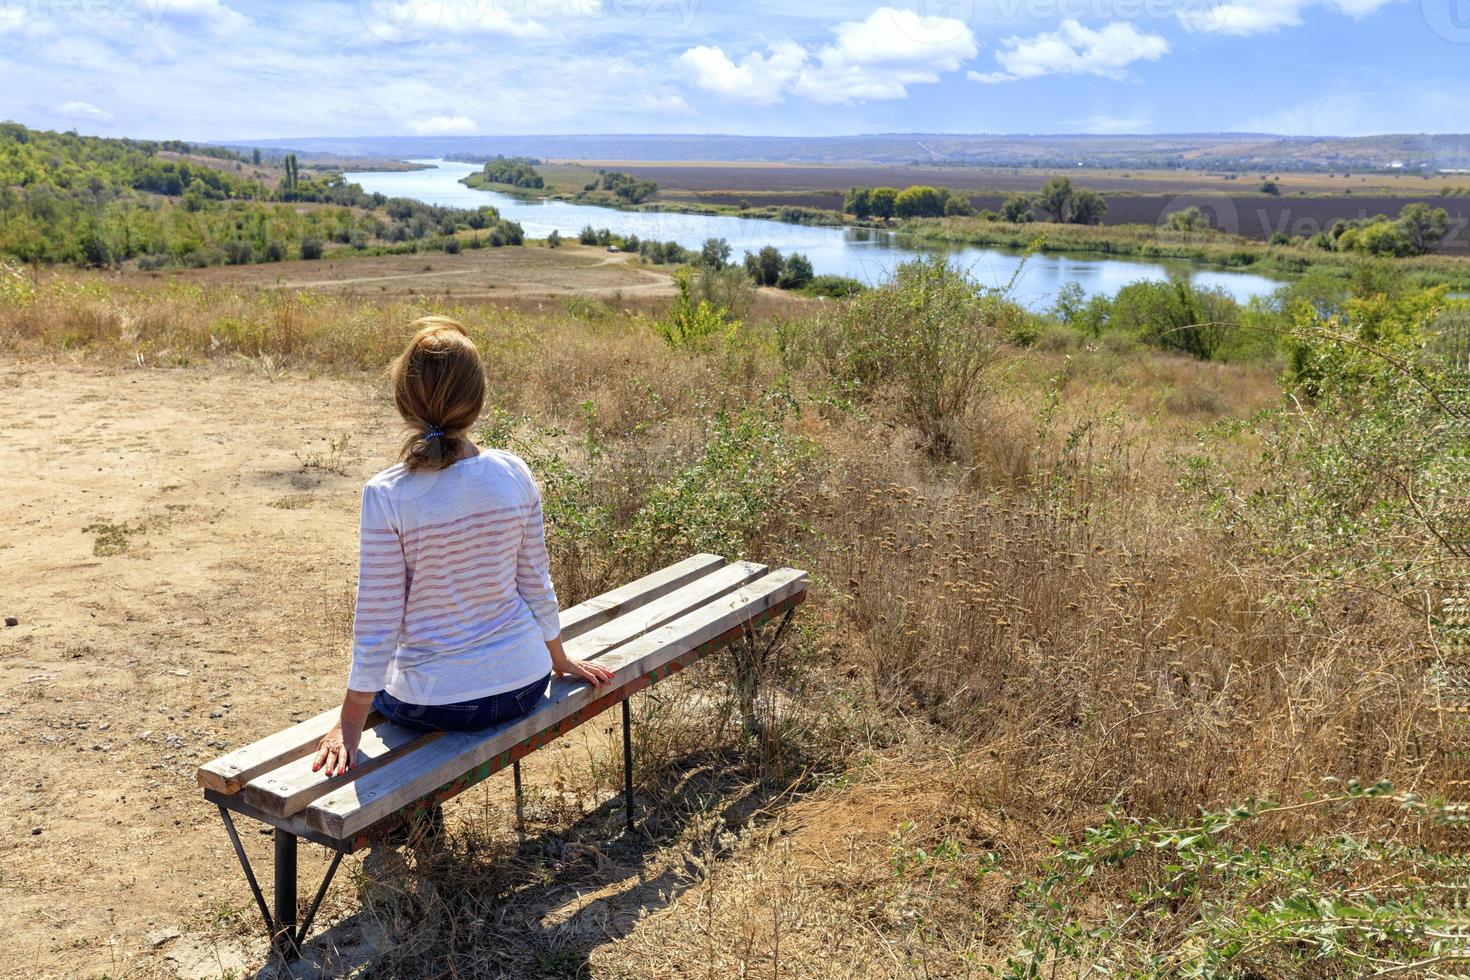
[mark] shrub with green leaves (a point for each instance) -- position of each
(1332, 487)
(693, 321)
(1175, 315)
(1200, 898)
(737, 497)
(930, 335)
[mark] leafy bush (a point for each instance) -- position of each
(838, 287)
(1172, 315)
(238, 252)
(311, 248)
(930, 334)
(692, 321)
(733, 498)
(1201, 902)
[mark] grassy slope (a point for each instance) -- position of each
(997, 648)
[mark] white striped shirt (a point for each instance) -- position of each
(454, 595)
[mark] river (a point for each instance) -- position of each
(860, 253)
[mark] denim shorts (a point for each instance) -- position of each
(465, 716)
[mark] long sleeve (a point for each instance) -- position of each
(381, 594)
(533, 570)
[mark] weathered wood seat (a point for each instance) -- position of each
(643, 631)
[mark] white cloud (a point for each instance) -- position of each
(875, 58)
(1243, 18)
(1073, 49)
(211, 13)
(757, 78)
(84, 110)
(663, 102)
(443, 126)
(417, 20)
(878, 58)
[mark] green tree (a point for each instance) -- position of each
(1017, 209)
(1191, 219)
(958, 206)
(1385, 239)
(1174, 315)
(857, 202)
(1424, 227)
(1055, 199)
(1271, 187)
(918, 201)
(796, 271)
(765, 266)
(715, 253)
(95, 249)
(1088, 207)
(553, 239)
(882, 201)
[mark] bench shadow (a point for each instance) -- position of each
(550, 898)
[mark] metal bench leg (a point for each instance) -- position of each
(283, 939)
(628, 763)
(286, 937)
(515, 770)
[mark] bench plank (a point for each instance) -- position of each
(629, 626)
(233, 770)
(405, 779)
(288, 789)
(230, 772)
(594, 612)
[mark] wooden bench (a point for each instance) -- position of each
(644, 632)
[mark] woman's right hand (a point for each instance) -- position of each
(337, 751)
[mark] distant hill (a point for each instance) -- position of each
(1215, 151)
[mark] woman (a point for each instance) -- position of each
(456, 625)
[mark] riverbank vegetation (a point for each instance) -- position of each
(1104, 669)
(100, 202)
(1198, 245)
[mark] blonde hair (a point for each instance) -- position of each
(439, 388)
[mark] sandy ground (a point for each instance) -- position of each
(179, 551)
(474, 274)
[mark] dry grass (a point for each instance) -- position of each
(1000, 645)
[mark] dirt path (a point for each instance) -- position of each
(180, 553)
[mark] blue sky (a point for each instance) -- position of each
(230, 69)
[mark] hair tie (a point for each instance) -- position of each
(433, 433)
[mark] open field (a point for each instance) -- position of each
(1255, 216)
(1309, 203)
(695, 176)
(531, 278)
(1003, 642)
(485, 273)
